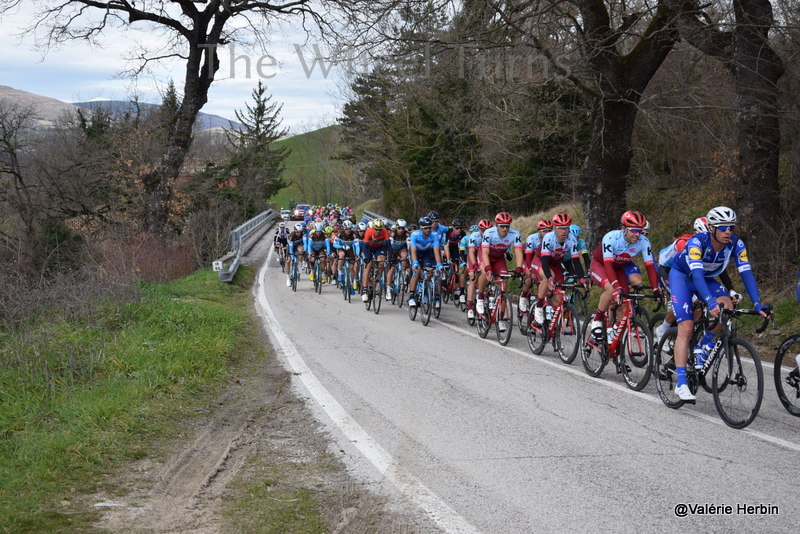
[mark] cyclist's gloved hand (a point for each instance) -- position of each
(415, 264)
(488, 271)
(657, 293)
(438, 266)
(551, 283)
(584, 282)
(518, 271)
(463, 264)
(736, 297)
(763, 308)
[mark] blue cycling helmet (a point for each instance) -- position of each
(319, 227)
(575, 230)
(433, 216)
(425, 222)
(474, 228)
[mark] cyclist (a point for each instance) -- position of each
(280, 240)
(496, 242)
(665, 258)
(612, 265)
(398, 250)
(454, 236)
(376, 241)
(474, 258)
(424, 249)
(582, 247)
(463, 248)
(318, 247)
(705, 256)
(559, 249)
(533, 245)
(347, 245)
(440, 230)
(296, 240)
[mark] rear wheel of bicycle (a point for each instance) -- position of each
(522, 321)
(635, 354)
(592, 353)
(295, 276)
(482, 322)
(537, 336)
(739, 368)
(664, 369)
(505, 319)
(401, 288)
(318, 276)
(412, 310)
(427, 303)
(377, 295)
(787, 375)
(568, 333)
(656, 320)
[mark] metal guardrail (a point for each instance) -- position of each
(372, 216)
(241, 242)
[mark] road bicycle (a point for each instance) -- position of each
(294, 270)
(282, 251)
(376, 286)
(346, 284)
(629, 344)
(498, 310)
(402, 275)
(787, 374)
(318, 275)
(562, 327)
(450, 285)
(737, 379)
(424, 297)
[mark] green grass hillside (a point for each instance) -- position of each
(313, 171)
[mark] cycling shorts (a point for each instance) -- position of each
(426, 258)
(597, 272)
(348, 253)
(395, 253)
(317, 252)
(367, 252)
(682, 287)
(498, 264)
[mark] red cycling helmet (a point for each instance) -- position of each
(545, 225)
(562, 219)
(502, 218)
(633, 219)
(485, 224)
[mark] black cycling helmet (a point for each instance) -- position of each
(425, 222)
(458, 222)
(433, 215)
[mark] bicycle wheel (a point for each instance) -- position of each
(437, 297)
(317, 276)
(402, 286)
(593, 355)
(427, 302)
(643, 314)
(395, 286)
(664, 369)
(483, 321)
(412, 310)
(739, 367)
(504, 315)
(377, 295)
(580, 305)
(568, 334)
(537, 336)
(635, 355)
(446, 291)
(295, 276)
(787, 374)
(656, 320)
(522, 320)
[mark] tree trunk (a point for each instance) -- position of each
(756, 69)
(602, 180)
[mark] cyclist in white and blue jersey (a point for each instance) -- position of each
(398, 250)
(474, 258)
(705, 256)
(583, 249)
(425, 250)
(347, 246)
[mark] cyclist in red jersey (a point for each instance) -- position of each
(376, 243)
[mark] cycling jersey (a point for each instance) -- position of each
(667, 254)
(376, 239)
(554, 254)
(497, 245)
(441, 232)
(281, 235)
(615, 253)
(700, 260)
(296, 239)
(424, 243)
(316, 242)
(399, 242)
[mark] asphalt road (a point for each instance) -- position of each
(505, 441)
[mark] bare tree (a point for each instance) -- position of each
(193, 32)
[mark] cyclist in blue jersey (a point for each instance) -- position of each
(296, 240)
(583, 250)
(705, 256)
(463, 247)
(347, 246)
(440, 231)
(425, 250)
(319, 248)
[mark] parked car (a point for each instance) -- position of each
(286, 214)
(300, 212)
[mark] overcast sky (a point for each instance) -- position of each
(78, 72)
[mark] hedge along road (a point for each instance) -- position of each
(491, 439)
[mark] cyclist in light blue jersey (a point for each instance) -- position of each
(705, 256)
(425, 250)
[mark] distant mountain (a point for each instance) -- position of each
(205, 121)
(47, 111)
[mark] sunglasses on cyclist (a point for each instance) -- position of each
(636, 230)
(561, 227)
(504, 226)
(725, 228)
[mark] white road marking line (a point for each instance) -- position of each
(619, 387)
(440, 513)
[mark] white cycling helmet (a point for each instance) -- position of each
(298, 227)
(700, 225)
(362, 226)
(401, 223)
(281, 225)
(319, 227)
(721, 215)
(347, 225)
